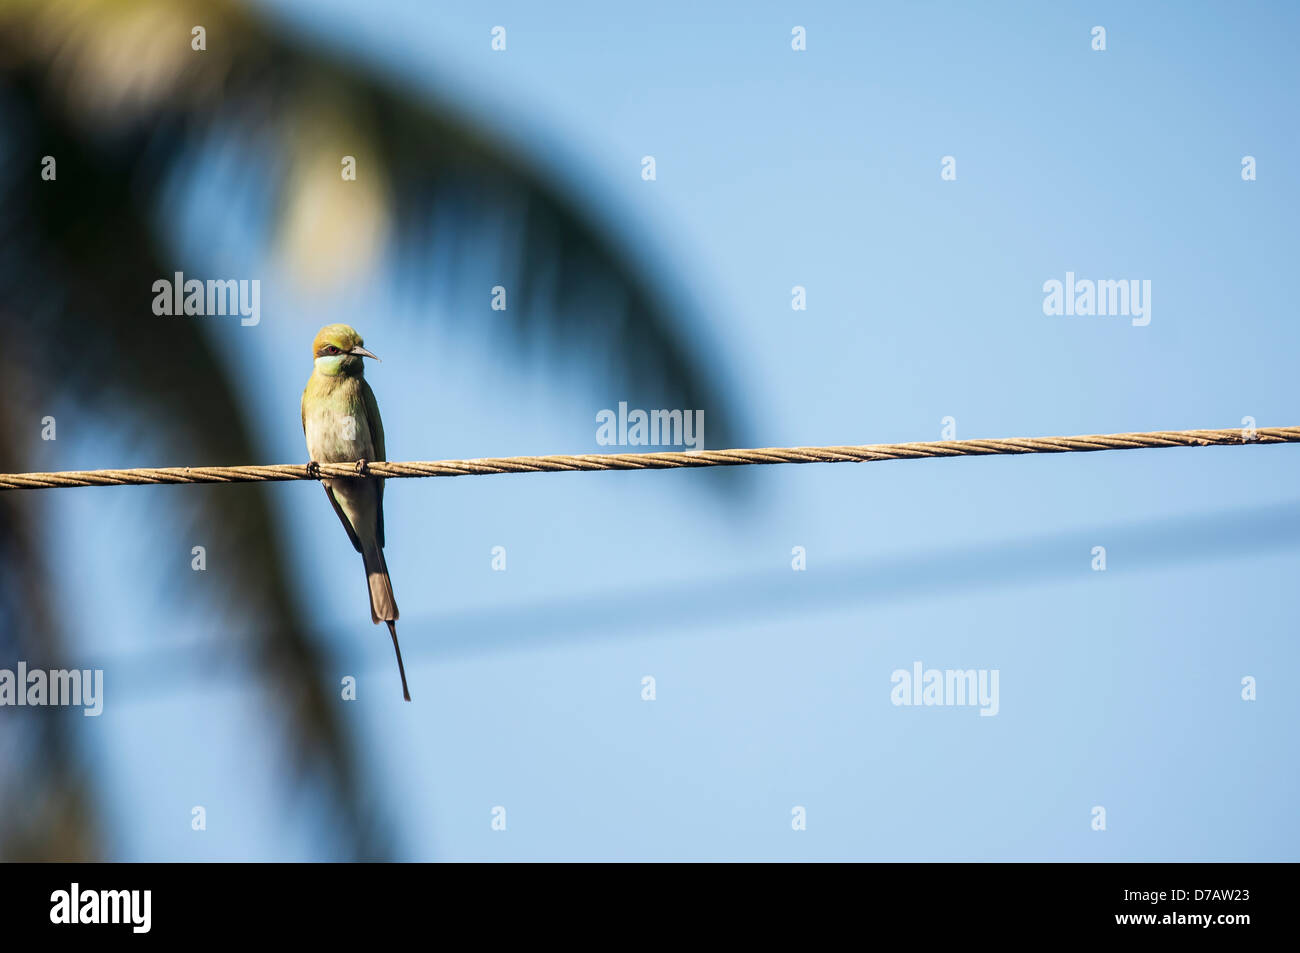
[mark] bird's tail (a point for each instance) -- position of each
(383, 607)
(401, 669)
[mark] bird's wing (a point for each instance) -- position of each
(376, 425)
(373, 420)
(347, 523)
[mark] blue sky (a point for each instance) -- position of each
(775, 168)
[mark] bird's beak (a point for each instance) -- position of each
(362, 352)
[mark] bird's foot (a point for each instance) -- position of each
(361, 465)
(313, 470)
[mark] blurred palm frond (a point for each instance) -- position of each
(116, 93)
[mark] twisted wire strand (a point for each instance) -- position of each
(555, 463)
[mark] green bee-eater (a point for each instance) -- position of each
(340, 420)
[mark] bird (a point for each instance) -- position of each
(340, 420)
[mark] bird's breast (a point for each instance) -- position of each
(338, 434)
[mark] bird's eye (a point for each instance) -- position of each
(331, 349)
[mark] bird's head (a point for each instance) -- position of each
(337, 350)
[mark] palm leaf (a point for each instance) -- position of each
(114, 92)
